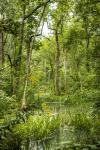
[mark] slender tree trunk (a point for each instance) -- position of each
(24, 101)
(87, 43)
(45, 70)
(1, 50)
(11, 74)
(65, 73)
(79, 75)
(57, 65)
(17, 63)
(52, 77)
(87, 52)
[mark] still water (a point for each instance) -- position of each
(64, 135)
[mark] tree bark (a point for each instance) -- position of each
(1, 50)
(17, 63)
(57, 65)
(28, 59)
(87, 43)
(65, 73)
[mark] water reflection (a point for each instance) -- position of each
(64, 136)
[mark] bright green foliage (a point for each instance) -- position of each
(33, 105)
(38, 127)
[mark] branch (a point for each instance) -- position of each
(46, 38)
(36, 8)
(9, 58)
(57, 26)
(39, 23)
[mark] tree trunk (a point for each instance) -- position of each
(1, 50)
(65, 73)
(87, 43)
(24, 104)
(79, 74)
(17, 63)
(52, 74)
(57, 65)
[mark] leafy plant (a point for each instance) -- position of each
(81, 121)
(37, 127)
(7, 104)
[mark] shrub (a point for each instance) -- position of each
(37, 127)
(7, 104)
(81, 121)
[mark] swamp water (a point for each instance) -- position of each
(64, 136)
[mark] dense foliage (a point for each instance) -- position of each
(49, 74)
